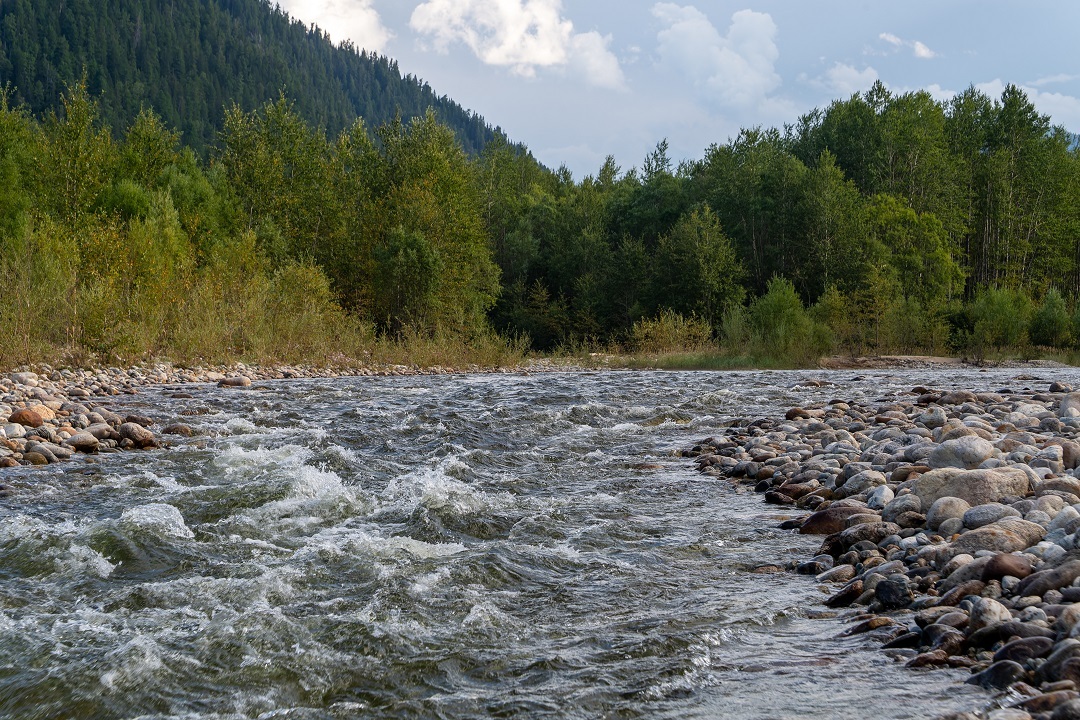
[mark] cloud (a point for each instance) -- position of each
(355, 20)
(523, 35)
(922, 52)
(738, 69)
(918, 48)
(844, 80)
(1062, 109)
(1053, 80)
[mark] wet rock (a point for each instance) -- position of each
(139, 436)
(999, 676)
(35, 458)
(178, 429)
(1023, 649)
(139, 420)
(894, 592)
(831, 520)
(840, 573)
(1048, 701)
(847, 595)
(1068, 710)
(238, 381)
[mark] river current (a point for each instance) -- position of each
(472, 546)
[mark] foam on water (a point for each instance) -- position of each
(157, 519)
(456, 547)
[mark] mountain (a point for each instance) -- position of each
(189, 59)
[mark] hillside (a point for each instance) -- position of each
(189, 59)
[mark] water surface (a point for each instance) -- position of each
(479, 546)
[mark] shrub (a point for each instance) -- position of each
(670, 332)
(1051, 325)
(1000, 320)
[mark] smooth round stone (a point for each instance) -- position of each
(944, 509)
(879, 497)
(1038, 516)
(950, 527)
(986, 612)
(981, 515)
(1007, 565)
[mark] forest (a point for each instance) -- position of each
(882, 223)
(190, 60)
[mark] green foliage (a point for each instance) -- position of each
(1051, 324)
(1000, 320)
(782, 328)
(188, 59)
(697, 272)
(670, 332)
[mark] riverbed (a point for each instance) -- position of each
(458, 546)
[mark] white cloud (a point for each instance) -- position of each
(844, 80)
(922, 52)
(738, 69)
(523, 35)
(918, 48)
(1054, 79)
(355, 20)
(1062, 109)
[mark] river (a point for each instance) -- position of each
(469, 546)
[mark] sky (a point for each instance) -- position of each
(578, 80)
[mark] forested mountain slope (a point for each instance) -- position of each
(189, 59)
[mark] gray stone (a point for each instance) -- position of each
(879, 497)
(981, 515)
(899, 505)
(966, 453)
(944, 509)
(1005, 536)
(986, 612)
(974, 486)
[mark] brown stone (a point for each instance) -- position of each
(26, 418)
(1004, 564)
(139, 436)
(35, 458)
(831, 520)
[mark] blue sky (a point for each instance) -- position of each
(577, 80)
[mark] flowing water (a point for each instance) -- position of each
(436, 547)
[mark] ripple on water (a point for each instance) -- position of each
(453, 547)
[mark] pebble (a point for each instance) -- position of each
(955, 514)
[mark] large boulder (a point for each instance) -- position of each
(1005, 536)
(1070, 406)
(967, 453)
(976, 487)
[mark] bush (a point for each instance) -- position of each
(1000, 321)
(783, 329)
(670, 332)
(1051, 325)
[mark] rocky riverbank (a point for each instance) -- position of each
(952, 528)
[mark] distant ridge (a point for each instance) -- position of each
(189, 59)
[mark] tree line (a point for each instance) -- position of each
(883, 222)
(191, 59)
